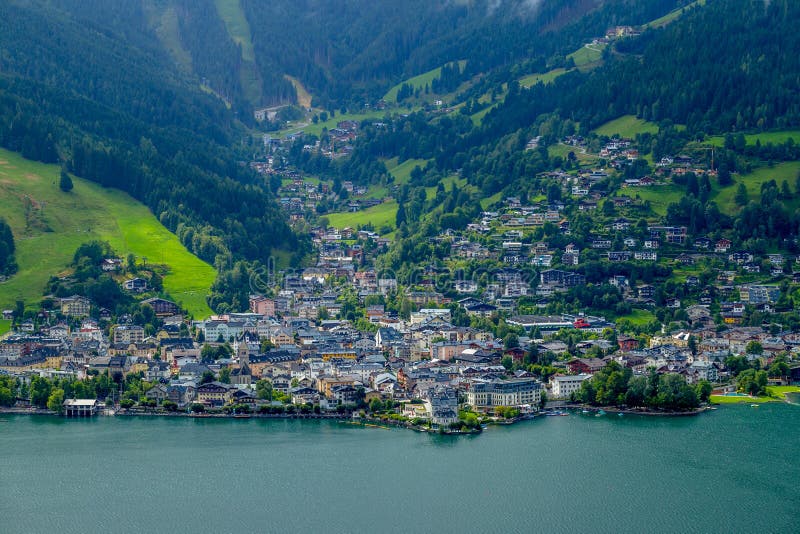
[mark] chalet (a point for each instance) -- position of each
(111, 264)
(135, 285)
(585, 365)
(722, 246)
(702, 243)
(627, 343)
(619, 256)
(163, 307)
(645, 255)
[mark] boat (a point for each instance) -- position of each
(620, 414)
(754, 405)
(242, 416)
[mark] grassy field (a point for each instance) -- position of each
(380, 215)
(639, 317)
(672, 15)
(5, 326)
(722, 399)
(626, 126)
(781, 391)
(776, 138)
(49, 225)
(783, 171)
(774, 394)
(230, 11)
(563, 151)
(402, 171)
(587, 55)
(547, 77)
(659, 196)
(477, 118)
(165, 25)
(448, 182)
(303, 96)
(417, 82)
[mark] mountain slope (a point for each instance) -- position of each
(49, 225)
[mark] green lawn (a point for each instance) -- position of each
(489, 201)
(781, 391)
(587, 55)
(660, 196)
(165, 25)
(48, 232)
(5, 326)
(402, 171)
(417, 82)
(776, 138)
(477, 118)
(672, 15)
(548, 77)
(448, 182)
(639, 317)
(722, 399)
(563, 151)
(626, 126)
(782, 171)
(380, 215)
(231, 13)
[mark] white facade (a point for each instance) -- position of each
(562, 387)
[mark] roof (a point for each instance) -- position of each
(80, 402)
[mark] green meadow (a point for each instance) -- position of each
(381, 215)
(587, 56)
(49, 225)
(545, 78)
(782, 171)
(402, 171)
(626, 126)
(672, 15)
(417, 82)
(776, 138)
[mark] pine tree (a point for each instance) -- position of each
(66, 182)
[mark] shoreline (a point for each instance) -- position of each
(644, 411)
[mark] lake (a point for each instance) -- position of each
(731, 470)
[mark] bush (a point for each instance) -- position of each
(170, 406)
(126, 403)
(197, 408)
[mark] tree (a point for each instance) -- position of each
(225, 375)
(55, 402)
(65, 182)
(703, 389)
(754, 347)
(779, 367)
(264, 389)
(741, 195)
(170, 406)
(207, 377)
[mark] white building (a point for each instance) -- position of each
(486, 395)
(561, 387)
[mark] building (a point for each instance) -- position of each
(163, 307)
(80, 407)
(488, 395)
(214, 394)
(561, 387)
(76, 306)
(262, 305)
(127, 334)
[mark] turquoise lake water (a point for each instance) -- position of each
(731, 470)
